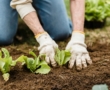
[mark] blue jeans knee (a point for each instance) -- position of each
(5, 40)
(54, 18)
(8, 22)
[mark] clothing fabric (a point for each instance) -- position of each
(22, 6)
(52, 15)
(8, 22)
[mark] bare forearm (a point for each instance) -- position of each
(77, 13)
(33, 23)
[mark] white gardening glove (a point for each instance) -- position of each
(79, 53)
(47, 47)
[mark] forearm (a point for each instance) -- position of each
(28, 14)
(33, 23)
(77, 13)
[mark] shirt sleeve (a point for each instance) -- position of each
(23, 7)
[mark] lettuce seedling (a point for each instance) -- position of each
(100, 87)
(97, 10)
(6, 63)
(35, 64)
(62, 57)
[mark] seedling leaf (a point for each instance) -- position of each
(35, 64)
(31, 65)
(6, 76)
(6, 53)
(5, 63)
(44, 68)
(0, 54)
(67, 56)
(62, 57)
(33, 54)
(100, 87)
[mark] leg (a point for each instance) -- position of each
(53, 17)
(8, 22)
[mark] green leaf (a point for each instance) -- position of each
(0, 54)
(6, 53)
(62, 57)
(31, 65)
(8, 63)
(6, 76)
(35, 64)
(37, 61)
(13, 63)
(44, 68)
(100, 87)
(32, 53)
(21, 58)
(2, 64)
(58, 56)
(5, 63)
(97, 10)
(67, 56)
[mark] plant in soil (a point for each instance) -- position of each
(100, 87)
(35, 64)
(62, 56)
(96, 12)
(6, 63)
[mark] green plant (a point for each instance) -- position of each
(35, 64)
(100, 87)
(67, 4)
(97, 10)
(6, 63)
(62, 57)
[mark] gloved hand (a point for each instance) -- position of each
(79, 53)
(47, 47)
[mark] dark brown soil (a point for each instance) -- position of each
(60, 78)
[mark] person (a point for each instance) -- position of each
(49, 22)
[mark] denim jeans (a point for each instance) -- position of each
(52, 15)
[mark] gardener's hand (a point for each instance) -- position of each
(47, 47)
(79, 53)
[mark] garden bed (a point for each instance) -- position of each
(60, 78)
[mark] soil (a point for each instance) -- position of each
(60, 78)
(94, 24)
